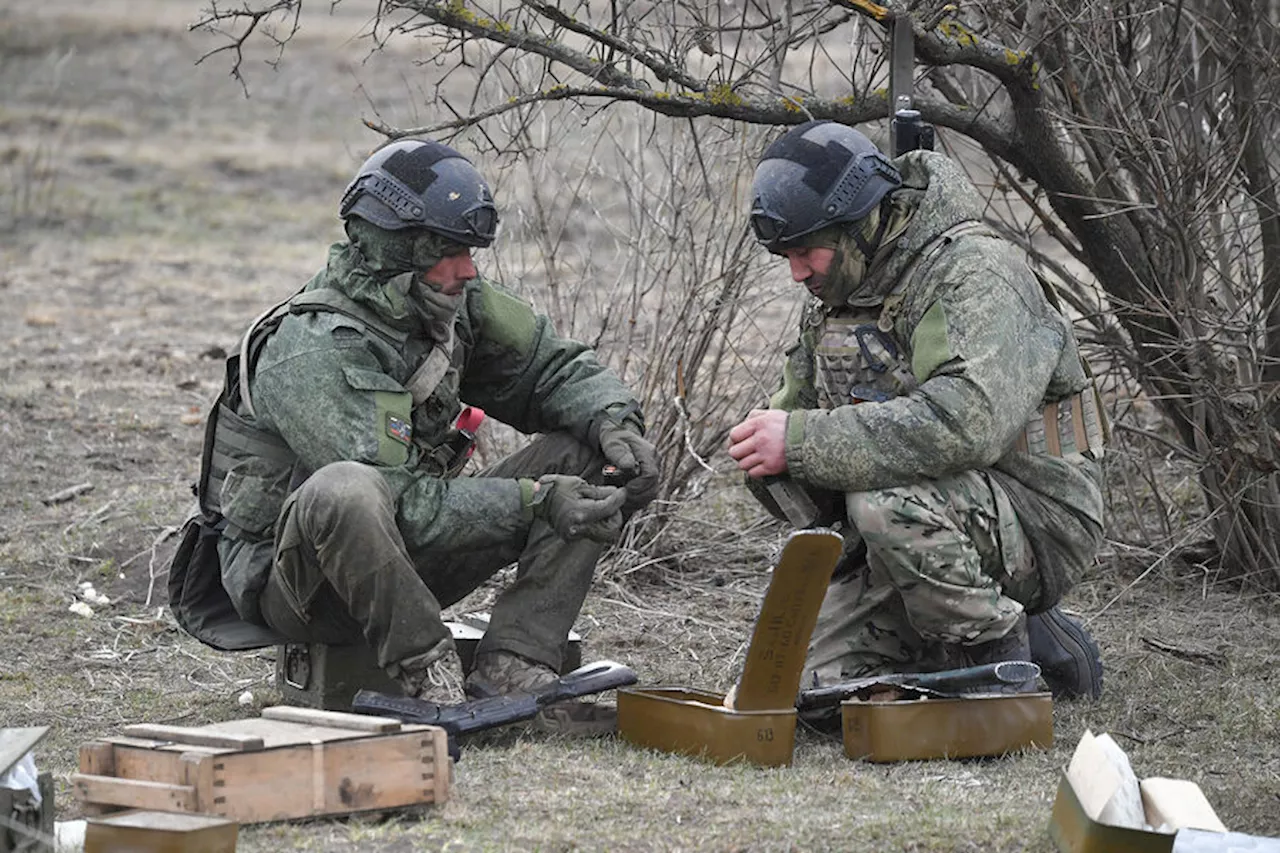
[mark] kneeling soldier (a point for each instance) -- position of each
(936, 403)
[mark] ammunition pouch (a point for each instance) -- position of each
(1075, 425)
(448, 459)
(230, 440)
(199, 601)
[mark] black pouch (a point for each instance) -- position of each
(196, 596)
(820, 508)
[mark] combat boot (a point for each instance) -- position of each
(437, 680)
(499, 673)
(1068, 656)
(1014, 645)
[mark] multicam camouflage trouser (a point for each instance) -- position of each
(945, 562)
(343, 573)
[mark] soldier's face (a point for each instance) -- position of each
(810, 266)
(450, 273)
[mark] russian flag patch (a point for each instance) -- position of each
(399, 429)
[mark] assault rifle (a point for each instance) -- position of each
(487, 713)
(949, 683)
(908, 131)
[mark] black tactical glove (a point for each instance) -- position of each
(634, 457)
(576, 509)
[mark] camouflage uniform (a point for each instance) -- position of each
(366, 475)
(913, 406)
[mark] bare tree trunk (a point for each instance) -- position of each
(1248, 497)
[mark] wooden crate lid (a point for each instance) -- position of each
(164, 821)
(145, 831)
(15, 743)
(281, 725)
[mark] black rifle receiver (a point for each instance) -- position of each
(987, 678)
(487, 713)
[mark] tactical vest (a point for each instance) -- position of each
(230, 437)
(199, 601)
(859, 359)
(856, 361)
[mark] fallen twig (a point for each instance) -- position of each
(676, 616)
(151, 564)
(1208, 658)
(90, 518)
(67, 494)
(1161, 560)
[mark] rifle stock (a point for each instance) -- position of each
(947, 682)
(479, 714)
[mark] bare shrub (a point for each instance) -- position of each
(629, 238)
(31, 192)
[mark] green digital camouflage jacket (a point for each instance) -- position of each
(986, 349)
(331, 382)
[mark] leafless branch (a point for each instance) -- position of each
(249, 21)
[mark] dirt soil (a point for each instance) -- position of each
(148, 210)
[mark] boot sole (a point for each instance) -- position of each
(1066, 681)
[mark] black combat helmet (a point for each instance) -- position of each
(817, 174)
(423, 184)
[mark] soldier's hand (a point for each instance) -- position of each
(636, 460)
(578, 510)
(759, 443)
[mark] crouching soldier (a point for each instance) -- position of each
(330, 476)
(936, 404)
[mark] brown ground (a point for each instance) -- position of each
(148, 210)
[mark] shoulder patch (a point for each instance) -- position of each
(507, 319)
(929, 344)
(399, 429)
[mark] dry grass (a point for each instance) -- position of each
(179, 210)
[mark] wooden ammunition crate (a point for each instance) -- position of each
(160, 832)
(288, 763)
